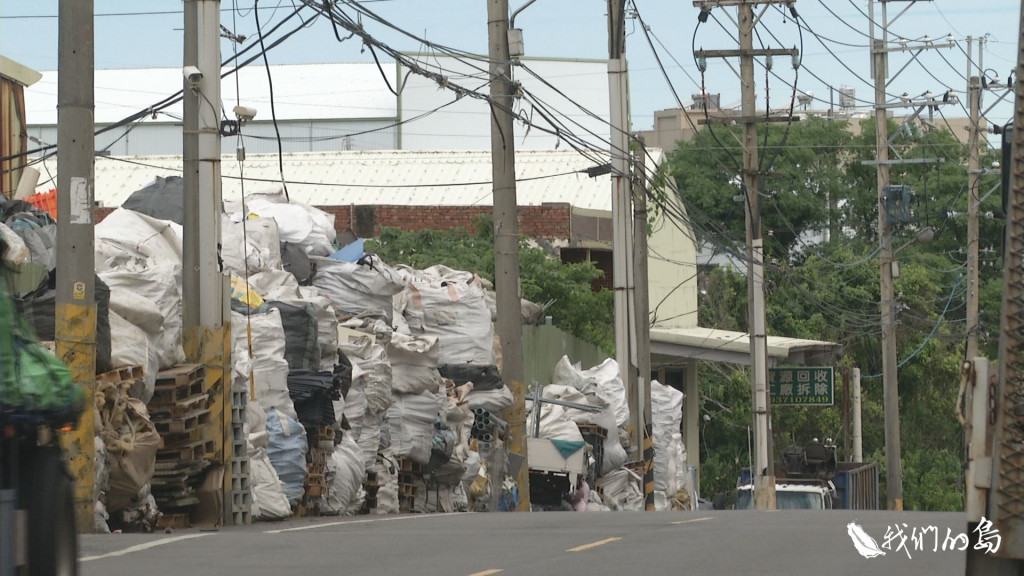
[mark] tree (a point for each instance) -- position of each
(830, 291)
(802, 169)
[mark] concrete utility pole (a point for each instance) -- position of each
(973, 200)
(858, 435)
(879, 65)
(506, 237)
(75, 321)
(890, 392)
(764, 468)
(1005, 503)
(622, 257)
(642, 314)
(205, 307)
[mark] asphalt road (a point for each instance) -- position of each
(564, 543)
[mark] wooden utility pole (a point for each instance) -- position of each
(641, 312)
(75, 321)
(764, 468)
(506, 238)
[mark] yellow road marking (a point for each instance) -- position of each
(694, 520)
(487, 572)
(592, 545)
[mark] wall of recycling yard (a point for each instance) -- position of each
(369, 388)
(546, 221)
(544, 346)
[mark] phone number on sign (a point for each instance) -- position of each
(801, 400)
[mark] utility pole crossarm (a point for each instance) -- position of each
(725, 3)
(752, 52)
(746, 119)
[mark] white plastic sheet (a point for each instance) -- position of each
(493, 401)
(622, 490)
(602, 379)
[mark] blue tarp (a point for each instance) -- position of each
(351, 253)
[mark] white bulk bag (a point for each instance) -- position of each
(125, 235)
(667, 416)
(602, 379)
(347, 471)
(356, 288)
(160, 284)
(411, 418)
(306, 226)
(250, 246)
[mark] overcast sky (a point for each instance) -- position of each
(133, 34)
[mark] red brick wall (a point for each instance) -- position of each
(547, 221)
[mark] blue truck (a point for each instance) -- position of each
(810, 478)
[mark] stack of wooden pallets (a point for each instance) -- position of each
(321, 447)
(408, 471)
(370, 486)
(180, 411)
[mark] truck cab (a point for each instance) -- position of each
(790, 496)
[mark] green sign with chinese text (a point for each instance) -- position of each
(807, 386)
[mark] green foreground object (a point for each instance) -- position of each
(32, 380)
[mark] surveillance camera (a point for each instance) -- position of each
(192, 74)
(244, 113)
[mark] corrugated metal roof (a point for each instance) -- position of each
(449, 178)
(301, 91)
(715, 345)
(18, 72)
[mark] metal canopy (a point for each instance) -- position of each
(670, 345)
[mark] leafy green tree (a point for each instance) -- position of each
(830, 291)
(802, 168)
(574, 305)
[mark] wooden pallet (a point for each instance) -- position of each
(178, 409)
(407, 490)
(123, 374)
(190, 452)
(409, 466)
(179, 383)
(191, 421)
(592, 430)
(176, 520)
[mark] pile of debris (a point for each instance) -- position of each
(370, 388)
